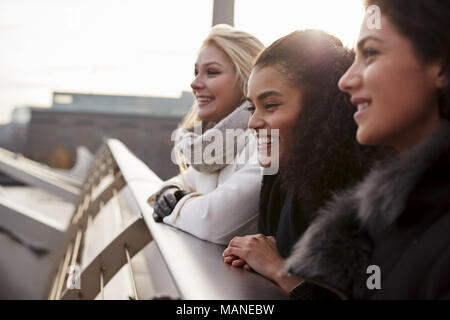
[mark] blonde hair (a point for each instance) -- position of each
(241, 47)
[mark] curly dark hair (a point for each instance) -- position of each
(324, 156)
(426, 24)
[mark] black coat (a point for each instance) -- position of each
(398, 218)
(280, 215)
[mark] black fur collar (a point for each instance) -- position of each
(336, 248)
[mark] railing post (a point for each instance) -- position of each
(130, 268)
(102, 284)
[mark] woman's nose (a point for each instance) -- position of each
(256, 121)
(197, 83)
(350, 80)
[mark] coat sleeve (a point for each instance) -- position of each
(438, 287)
(180, 181)
(229, 210)
(310, 291)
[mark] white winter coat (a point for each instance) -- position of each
(222, 204)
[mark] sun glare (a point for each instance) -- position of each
(270, 20)
(134, 47)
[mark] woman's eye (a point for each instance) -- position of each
(195, 73)
(251, 108)
(271, 105)
(369, 52)
(212, 72)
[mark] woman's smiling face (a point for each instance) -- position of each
(275, 104)
(215, 87)
(395, 93)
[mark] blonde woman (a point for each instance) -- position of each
(216, 195)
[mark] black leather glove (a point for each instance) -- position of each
(166, 200)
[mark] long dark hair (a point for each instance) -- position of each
(324, 155)
(426, 23)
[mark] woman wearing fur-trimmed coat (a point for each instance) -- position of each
(389, 237)
(397, 220)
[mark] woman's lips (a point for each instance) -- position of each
(264, 143)
(362, 109)
(264, 146)
(204, 100)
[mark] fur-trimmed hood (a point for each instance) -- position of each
(335, 250)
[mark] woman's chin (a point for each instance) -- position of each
(264, 161)
(207, 112)
(364, 137)
(204, 116)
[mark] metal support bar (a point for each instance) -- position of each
(62, 275)
(89, 209)
(223, 12)
(52, 294)
(130, 268)
(36, 175)
(135, 236)
(94, 207)
(102, 284)
(74, 258)
(9, 158)
(100, 172)
(31, 228)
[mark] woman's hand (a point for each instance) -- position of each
(260, 253)
(166, 200)
(237, 262)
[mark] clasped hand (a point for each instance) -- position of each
(257, 252)
(260, 253)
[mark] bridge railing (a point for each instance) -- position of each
(36, 174)
(195, 266)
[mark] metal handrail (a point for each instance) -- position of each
(195, 265)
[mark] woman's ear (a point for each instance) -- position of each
(442, 75)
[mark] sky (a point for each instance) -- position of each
(134, 47)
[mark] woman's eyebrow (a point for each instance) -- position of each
(267, 94)
(210, 63)
(365, 39)
(264, 95)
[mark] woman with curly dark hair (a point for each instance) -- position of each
(293, 88)
(388, 238)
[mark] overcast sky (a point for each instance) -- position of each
(134, 47)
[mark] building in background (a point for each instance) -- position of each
(144, 124)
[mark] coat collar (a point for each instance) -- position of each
(335, 250)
